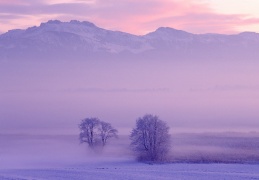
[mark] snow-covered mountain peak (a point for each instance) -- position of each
(85, 23)
(250, 36)
(50, 23)
(53, 22)
(72, 26)
(167, 33)
(80, 39)
(169, 30)
(248, 33)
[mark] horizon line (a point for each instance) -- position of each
(90, 22)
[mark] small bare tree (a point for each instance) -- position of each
(150, 139)
(95, 132)
(89, 131)
(107, 132)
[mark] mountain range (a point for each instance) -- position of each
(84, 40)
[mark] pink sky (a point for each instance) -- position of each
(137, 17)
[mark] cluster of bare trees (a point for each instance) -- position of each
(150, 139)
(95, 132)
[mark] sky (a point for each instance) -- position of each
(136, 17)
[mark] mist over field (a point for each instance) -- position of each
(52, 97)
(53, 151)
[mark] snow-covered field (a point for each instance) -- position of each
(126, 169)
(30, 157)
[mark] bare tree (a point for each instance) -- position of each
(107, 132)
(150, 139)
(89, 131)
(95, 132)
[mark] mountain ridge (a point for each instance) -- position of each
(84, 39)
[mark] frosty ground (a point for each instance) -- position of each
(195, 156)
(127, 169)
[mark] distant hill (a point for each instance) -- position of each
(84, 40)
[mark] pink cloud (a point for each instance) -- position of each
(133, 16)
(145, 16)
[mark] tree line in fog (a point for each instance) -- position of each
(150, 139)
